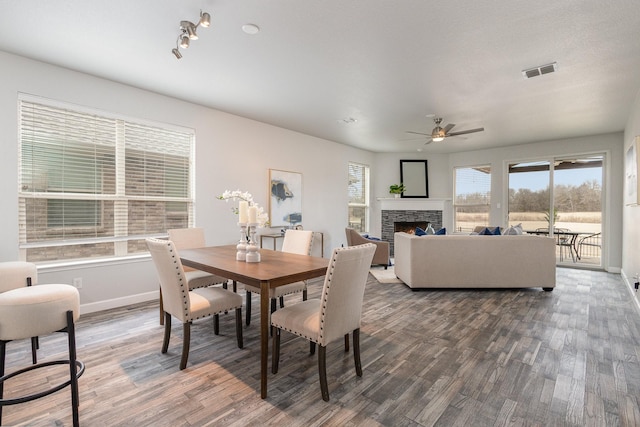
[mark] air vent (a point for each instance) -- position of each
(538, 71)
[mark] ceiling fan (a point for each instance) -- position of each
(439, 133)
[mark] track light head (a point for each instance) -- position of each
(205, 19)
(189, 28)
(188, 32)
(184, 41)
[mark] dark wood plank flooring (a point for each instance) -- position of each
(440, 357)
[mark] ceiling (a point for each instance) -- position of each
(387, 64)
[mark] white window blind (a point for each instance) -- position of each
(96, 186)
(472, 201)
(358, 197)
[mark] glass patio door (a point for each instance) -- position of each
(572, 212)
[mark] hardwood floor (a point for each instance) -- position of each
(440, 357)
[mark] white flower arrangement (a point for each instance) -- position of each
(262, 216)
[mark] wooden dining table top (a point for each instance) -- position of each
(277, 268)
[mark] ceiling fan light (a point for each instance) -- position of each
(438, 139)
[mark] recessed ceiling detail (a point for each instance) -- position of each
(538, 71)
(251, 29)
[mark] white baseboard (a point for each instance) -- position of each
(634, 295)
(118, 302)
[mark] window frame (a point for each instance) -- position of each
(117, 238)
(366, 204)
(486, 205)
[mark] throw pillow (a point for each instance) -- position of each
(514, 230)
(490, 231)
(441, 232)
(509, 231)
(420, 232)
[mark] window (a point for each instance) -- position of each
(472, 201)
(94, 185)
(359, 197)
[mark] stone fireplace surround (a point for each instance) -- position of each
(430, 210)
(389, 217)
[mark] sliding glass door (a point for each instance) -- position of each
(571, 213)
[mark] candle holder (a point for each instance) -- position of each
(241, 254)
(253, 253)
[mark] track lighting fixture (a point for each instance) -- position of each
(188, 33)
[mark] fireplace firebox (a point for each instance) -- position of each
(409, 226)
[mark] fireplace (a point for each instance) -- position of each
(424, 217)
(409, 226)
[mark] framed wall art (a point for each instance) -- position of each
(285, 198)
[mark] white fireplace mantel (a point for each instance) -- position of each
(411, 204)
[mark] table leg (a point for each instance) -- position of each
(264, 336)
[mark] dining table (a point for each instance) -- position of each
(564, 238)
(275, 269)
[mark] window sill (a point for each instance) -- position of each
(47, 267)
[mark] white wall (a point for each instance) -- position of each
(386, 171)
(231, 153)
(631, 214)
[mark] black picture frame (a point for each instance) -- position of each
(415, 177)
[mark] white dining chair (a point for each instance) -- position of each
(188, 305)
(191, 238)
(295, 242)
(335, 314)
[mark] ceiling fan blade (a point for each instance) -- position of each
(418, 133)
(463, 132)
(412, 139)
(448, 127)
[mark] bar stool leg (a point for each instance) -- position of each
(73, 369)
(3, 345)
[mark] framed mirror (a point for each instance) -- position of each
(413, 174)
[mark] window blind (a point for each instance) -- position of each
(473, 186)
(358, 189)
(89, 182)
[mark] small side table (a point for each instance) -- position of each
(274, 237)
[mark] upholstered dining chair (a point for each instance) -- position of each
(336, 313)
(185, 304)
(18, 274)
(295, 242)
(191, 238)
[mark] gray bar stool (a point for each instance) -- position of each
(36, 311)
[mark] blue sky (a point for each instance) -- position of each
(536, 181)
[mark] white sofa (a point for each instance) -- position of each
(464, 261)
